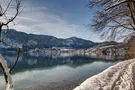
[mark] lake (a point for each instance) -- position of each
(54, 72)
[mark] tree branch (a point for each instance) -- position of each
(117, 4)
(131, 14)
(17, 58)
(18, 3)
(122, 25)
(7, 7)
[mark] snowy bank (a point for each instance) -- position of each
(117, 77)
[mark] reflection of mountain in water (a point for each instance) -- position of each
(27, 62)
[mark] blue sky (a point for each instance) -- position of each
(60, 18)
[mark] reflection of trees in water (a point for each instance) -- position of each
(27, 62)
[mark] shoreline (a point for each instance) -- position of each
(116, 77)
(60, 86)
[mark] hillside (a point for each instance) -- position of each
(15, 39)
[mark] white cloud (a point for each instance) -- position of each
(25, 18)
(41, 20)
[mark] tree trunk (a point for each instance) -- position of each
(6, 72)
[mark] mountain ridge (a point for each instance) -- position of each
(16, 38)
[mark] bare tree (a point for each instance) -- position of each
(113, 19)
(9, 10)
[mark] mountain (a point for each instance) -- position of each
(106, 43)
(15, 39)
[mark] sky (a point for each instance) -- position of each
(59, 18)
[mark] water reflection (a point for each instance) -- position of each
(30, 62)
(45, 71)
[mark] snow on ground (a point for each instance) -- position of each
(117, 77)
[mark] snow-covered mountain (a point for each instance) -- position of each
(15, 39)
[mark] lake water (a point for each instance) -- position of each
(53, 72)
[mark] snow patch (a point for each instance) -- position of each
(117, 77)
